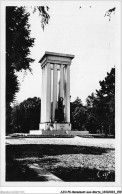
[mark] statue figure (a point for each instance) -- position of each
(60, 111)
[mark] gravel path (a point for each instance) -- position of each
(97, 142)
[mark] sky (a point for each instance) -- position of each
(78, 28)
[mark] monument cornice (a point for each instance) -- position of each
(53, 57)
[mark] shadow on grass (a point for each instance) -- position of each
(16, 171)
(83, 174)
(19, 170)
(34, 150)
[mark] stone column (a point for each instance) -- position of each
(54, 91)
(61, 82)
(48, 92)
(42, 98)
(59, 89)
(44, 94)
(65, 93)
(68, 93)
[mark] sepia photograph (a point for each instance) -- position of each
(60, 86)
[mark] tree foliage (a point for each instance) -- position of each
(26, 116)
(98, 115)
(109, 12)
(77, 114)
(43, 12)
(18, 43)
(102, 105)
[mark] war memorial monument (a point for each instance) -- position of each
(55, 95)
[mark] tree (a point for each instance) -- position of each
(26, 116)
(77, 114)
(106, 97)
(101, 106)
(18, 44)
(91, 100)
(43, 12)
(92, 122)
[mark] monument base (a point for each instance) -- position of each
(59, 132)
(54, 126)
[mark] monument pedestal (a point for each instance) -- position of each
(55, 126)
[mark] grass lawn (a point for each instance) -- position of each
(68, 162)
